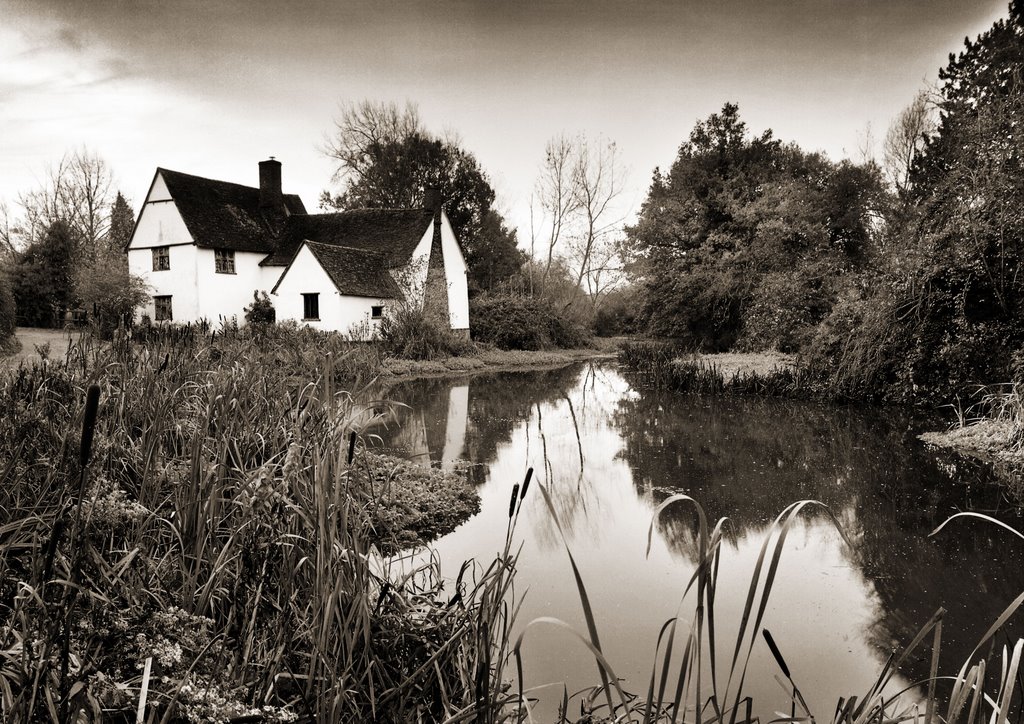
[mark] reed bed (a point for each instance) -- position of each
(664, 365)
(192, 533)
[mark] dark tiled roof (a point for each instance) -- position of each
(392, 233)
(357, 272)
(222, 215)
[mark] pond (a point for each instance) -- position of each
(609, 451)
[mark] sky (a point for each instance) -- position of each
(211, 87)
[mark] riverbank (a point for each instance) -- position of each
(494, 359)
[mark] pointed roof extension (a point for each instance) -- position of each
(354, 272)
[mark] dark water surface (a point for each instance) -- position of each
(609, 451)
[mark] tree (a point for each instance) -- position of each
(42, 277)
(578, 189)
(107, 291)
(746, 240)
(905, 141)
(122, 223)
(77, 192)
(387, 160)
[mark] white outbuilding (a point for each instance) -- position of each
(205, 247)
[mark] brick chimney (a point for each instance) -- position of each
(271, 197)
(432, 201)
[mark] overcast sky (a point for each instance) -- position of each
(212, 87)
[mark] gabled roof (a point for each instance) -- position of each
(391, 233)
(223, 215)
(355, 272)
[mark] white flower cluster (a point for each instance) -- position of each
(209, 705)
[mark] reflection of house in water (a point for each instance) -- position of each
(436, 431)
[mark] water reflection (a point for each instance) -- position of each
(609, 453)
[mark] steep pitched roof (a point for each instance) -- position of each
(391, 233)
(355, 272)
(222, 215)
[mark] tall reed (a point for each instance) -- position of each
(221, 560)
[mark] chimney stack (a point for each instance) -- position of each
(271, 196)
(432, 200)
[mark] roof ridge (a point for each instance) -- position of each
(205, 178)
(392, 210)
(328, 245)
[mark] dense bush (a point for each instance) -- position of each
(8, 313)
(261, 310)
(618, 313)
(519, 322)
(412, 334)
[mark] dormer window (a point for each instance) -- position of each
(161, 258)
(224, 261)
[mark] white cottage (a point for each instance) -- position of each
(205, 247)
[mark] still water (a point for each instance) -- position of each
(608, 450)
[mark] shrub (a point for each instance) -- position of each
(410, 334)
(261, 311)
(517, 322)
(8, 312)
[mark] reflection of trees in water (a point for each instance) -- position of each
(748, 459)
(972, 569)
(498, 404)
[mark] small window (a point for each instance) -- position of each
(224, 260)
(311, 307)
(163, 309)
(161, 258)
(376, 312)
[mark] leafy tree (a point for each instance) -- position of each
(387, 160)
(42, 277)
(745, 240)
(108, 292)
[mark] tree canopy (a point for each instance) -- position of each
(386, 159)
(741, 241)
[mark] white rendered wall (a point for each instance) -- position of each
(223, 296)
(338, 313)
(455, 273)
(160, 224)
(179, 282)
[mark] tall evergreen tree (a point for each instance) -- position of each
(122, 222)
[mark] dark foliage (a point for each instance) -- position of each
(8, 312)
(518, 322)
(394, 173)
(411, 334)
(741, 242)
(261, 311)
(42, 278)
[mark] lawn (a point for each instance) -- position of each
(32, 340)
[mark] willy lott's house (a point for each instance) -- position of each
(205, 247)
